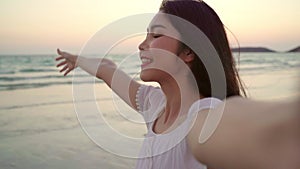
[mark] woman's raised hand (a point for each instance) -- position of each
(69, 61)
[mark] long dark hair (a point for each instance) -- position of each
(206, 19)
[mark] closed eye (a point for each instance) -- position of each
(156, 35)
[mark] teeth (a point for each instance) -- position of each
(146, 60)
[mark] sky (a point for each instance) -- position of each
(40, 26)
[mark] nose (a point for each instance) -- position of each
(143, 45)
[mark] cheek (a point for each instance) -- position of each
(166, 43)
(165, 59)
(167, 51)
(166, 65)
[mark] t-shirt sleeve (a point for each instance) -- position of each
(148, 100)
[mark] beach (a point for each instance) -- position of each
(40, 128)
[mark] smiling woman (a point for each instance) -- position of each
(196, 78)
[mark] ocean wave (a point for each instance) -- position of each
(36, 85)
(20, 78)
(31, 70)
(52, 103)
(7, 72)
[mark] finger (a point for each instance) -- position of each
(62, 63)
(67, 72)
(63, 69)
(59, 58)
(58, 51)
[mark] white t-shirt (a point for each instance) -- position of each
(170, 150)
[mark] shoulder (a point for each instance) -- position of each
(148, 91)
(148, 100)
(205, 103)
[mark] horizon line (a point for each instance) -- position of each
(232, 48)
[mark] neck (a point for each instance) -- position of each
(180, 95)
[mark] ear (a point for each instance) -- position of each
(187, 55)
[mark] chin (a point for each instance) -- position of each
(146, 76)
(153, 75)
(150, 75)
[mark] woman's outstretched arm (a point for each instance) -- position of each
(251, 134)
(104, 69)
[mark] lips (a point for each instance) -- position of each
(145, 61)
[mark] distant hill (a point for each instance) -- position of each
(297, 49)
(252, 49)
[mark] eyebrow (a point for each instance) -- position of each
(156, 26)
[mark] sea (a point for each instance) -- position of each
(33, 71)
(19, 72)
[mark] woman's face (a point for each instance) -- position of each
(160, 50)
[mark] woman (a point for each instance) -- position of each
(239, 140)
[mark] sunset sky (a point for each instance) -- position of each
(40, 26)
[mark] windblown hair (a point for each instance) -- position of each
(206, 19)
